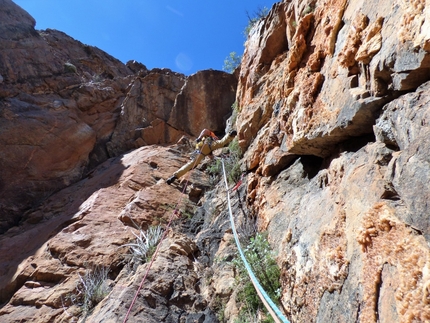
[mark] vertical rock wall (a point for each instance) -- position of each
(334, 122)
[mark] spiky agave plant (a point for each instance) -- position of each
(144, 245)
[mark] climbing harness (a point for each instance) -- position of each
(200, 143)
(205, 139)
(268, 303)
(204, 142)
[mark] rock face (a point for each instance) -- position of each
(338, 105)
(334, 110)
(191, 102)
(72, 232)
(54, 109)
(66, 107)
(161, 106)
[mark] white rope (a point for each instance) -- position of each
(268, 303)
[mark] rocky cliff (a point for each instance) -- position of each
(334, 99)
(333, 103)
(67, 107)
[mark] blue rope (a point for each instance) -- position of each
(266, 299)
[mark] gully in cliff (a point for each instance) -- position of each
(207, 142)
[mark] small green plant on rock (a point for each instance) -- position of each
(308, 10)
(215, 170)
(262, 261)
(188, 209)
(91, 289)
(232, 62)
(259, 14)
(231, 163)
(144, 246)
(219, 306)
(70, 68)
(235, 112)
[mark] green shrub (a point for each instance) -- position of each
(186, 208)
(235, 112)
(219, 307)
(247, 317)
(260, 13)
(215, 171)
(261, 259)
(231, 163)
(231, 62)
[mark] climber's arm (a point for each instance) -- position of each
(224, 141)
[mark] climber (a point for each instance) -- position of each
(206, 143)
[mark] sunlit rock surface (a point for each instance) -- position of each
(333, 101)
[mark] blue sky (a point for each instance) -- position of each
(183, 35)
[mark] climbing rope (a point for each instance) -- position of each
(268, 303)
(172, 216)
